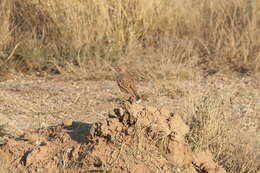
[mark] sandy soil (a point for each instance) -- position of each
(95, 141)
(132, 138)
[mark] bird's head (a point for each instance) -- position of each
(120, 68)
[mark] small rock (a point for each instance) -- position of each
(67, 123)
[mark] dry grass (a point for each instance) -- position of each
(157, 39)
(214, 128)
(84, 38)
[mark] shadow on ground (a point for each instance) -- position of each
(78, 131)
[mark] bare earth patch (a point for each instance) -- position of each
(64, 125)
(133, 138)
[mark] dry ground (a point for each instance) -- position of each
(132, 138)
(33, 101)
(30, 102)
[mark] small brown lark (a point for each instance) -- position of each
(126, 83)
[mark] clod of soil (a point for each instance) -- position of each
(133, 138)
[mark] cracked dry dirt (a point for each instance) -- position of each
(100, 138)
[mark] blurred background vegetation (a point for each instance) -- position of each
(154, 38)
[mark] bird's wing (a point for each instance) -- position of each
(123, 84)
(132, 85)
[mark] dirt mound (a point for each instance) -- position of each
(132, 139)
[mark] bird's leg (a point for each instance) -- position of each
(131, 99)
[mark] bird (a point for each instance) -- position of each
(126, 83)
